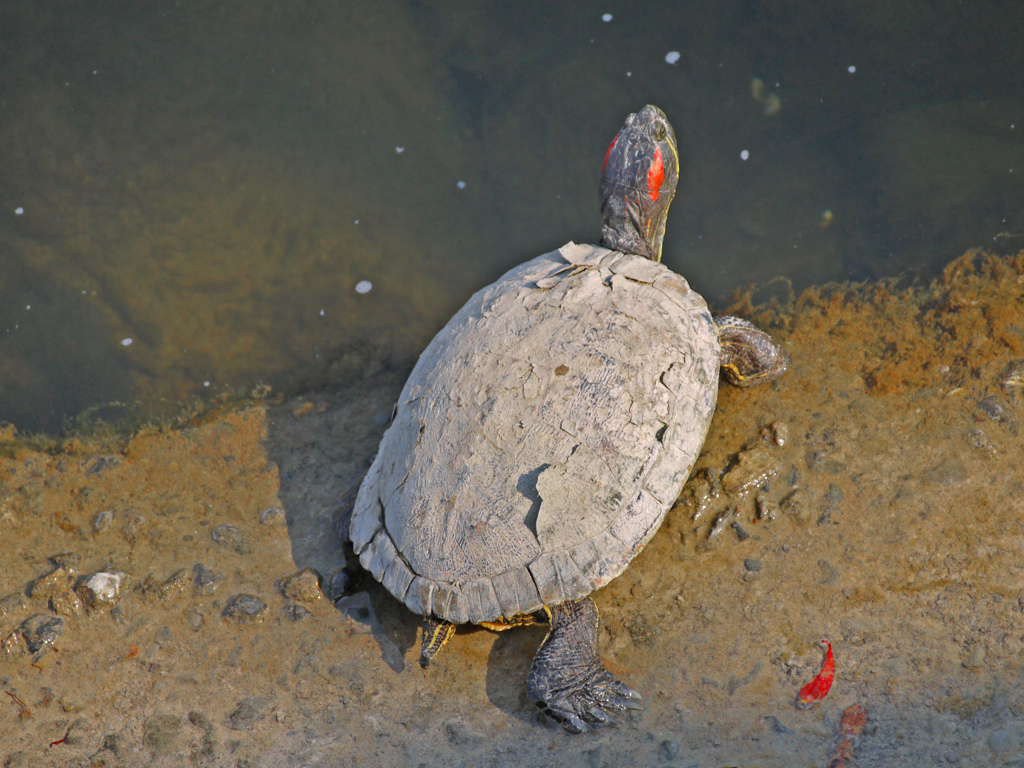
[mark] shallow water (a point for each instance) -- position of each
(190, 194)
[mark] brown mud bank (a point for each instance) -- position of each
(873, 496)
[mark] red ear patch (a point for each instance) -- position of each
(609, 152)
(655, 174)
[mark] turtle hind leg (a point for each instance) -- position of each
(749, 355)
(567, 681)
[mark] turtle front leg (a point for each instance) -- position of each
(567, 681)
(749, 355)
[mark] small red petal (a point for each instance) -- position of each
(819, 687)
(655, 175)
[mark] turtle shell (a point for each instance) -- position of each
(541, 437)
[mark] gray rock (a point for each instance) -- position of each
(303, 585)
(41, 631)
(232, 538)
(244, 609)
(751, 564)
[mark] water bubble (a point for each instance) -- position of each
(18, 211)
(461, 185)
(851, 69)
(364, 286)
(744, 155)
(672, 57)
(606, 17)
(126, 342)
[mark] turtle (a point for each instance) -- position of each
(547, 429)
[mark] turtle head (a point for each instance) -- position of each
(638, 183)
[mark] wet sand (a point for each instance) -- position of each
(889, 521)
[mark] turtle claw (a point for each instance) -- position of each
(567, 681)
(589, 704)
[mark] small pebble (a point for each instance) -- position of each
(69, 560)
(101, 589)
(780, 433)
(160, 733)
(297, 612)
(745, 155)
(18, 211)
(753, 469)
(231, 537)
(977, 439)
(606, 17)
(723, 519)
(194, 619)
(247, 712)
(244, 609)
(364, 286)
(461, 734)
(672, 57)
(303, 585)
(116, 743)
(66, 603)
(766, 510)
(167, 590)
(102, 521)
(11, 603)
(204, 580)
(752, 564)
(46, 586)
(741, 532)
(777, 725)
(669, 750)
(342, 582)
(272, 516)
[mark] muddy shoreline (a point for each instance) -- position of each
(888, 520)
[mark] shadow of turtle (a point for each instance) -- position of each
(508, 666)
(322, 443)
